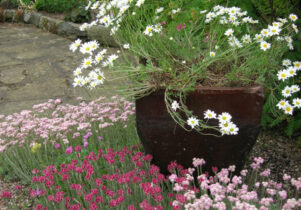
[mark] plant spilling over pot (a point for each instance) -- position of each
(182, 47)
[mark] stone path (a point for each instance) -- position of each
(34, 67)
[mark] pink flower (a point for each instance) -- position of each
(69, 150)
(181, 198)
(282, 194)
(214, 169)
(57, 146)
(198, 162)
(131, 207)
(6, 194)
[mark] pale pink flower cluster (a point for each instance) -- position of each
(53, 121)
(226, 190)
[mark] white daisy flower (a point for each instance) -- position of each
(277, 24)
(212, 54)
(282, 103)
(92, 85)
(123, 9)
(86, 48)
(294, 26)
(203, 11)
(87, 62)
(229, 32)
(100, 77)
(88, 6)
(77, 71)
(224, 117)
(236, 23)
(78, 81)
(297, 102)
(148, 30)
(225, 128)
(83, 27)
(210, 15)
(139, 3)
(133, 13)
(192, 122)
(74, 46)
(232, 18)
(175, 11)
(158, 10)
(99, 57)
(246, 39)
(95, 5)
(286, 62)
(209, 114)
(233, 129)
(291, 71)
(126, 46)
(112, 57)
(297, 65)
(293, 17)
(246, 20)
(264, 45)
(104, 51)
(113, 30)
(282, 20)
(158, 28)
(175, 105)
(283, 75)
(265, 32)
(286, 92)
(94, 45)
(288, 39)
(274, 30)
(171, 38)
(258, 37)
(295, 88)
(288, 109)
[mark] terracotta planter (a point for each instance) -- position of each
(166, 141)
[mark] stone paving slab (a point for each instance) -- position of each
(36, 66)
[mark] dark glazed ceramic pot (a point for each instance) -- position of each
(166, 141)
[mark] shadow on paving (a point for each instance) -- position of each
(36, 66)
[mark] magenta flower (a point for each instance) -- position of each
(57, 146)
(69, 150)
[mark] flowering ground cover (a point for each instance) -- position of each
(88, 157)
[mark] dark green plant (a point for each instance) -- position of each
(78, 15)
(58, 5)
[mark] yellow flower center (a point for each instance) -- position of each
(283, 75)
(87, 48)
(99, 77)
(209, 115)
(297, 64)
(226, 125)
(149, 29)
(192, 122)
(288, 109)
(78, 81)
(292, 71)
(224, 118)
(99, 58)
(88, 63)
(287, 91)
(265, 45)
(293, 17)
(282, 103)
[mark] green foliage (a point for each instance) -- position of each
(17, 163)
(268, 10)
(78, 15)
(58, 5)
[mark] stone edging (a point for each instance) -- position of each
(60, 27)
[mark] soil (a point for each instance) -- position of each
(280, 153)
